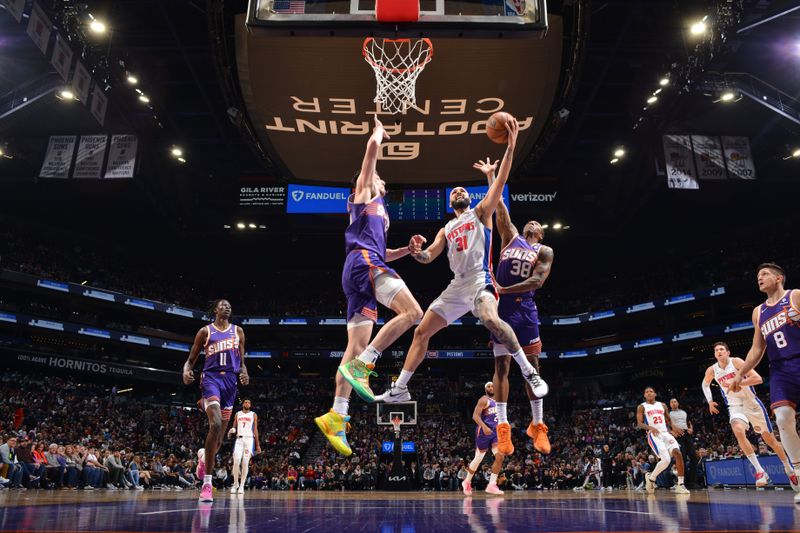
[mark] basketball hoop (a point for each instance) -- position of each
(397, 64)
(396, 421)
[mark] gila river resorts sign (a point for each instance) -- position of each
(310, 100)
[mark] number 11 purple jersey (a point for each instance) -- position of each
(222, 350)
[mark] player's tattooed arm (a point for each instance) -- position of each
(433, 251)
(199, 342)
(541, 271)
(244, 376)
(505, 227)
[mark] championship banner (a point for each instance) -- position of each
(121, 156)
(89, 161)
(58, 159)
(680, 162)
(708, 158)
(62, 57)
(15, 7)
(738, 158)
(39, 28)
(81, 82)
(99, 104)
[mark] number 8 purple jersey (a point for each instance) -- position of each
(222, 350)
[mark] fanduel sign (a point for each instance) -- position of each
(311, 199)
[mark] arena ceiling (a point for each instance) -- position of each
(175, 49)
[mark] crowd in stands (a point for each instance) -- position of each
(58, 433)
(319, 293)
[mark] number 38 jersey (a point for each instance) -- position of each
(778, 323)
(516, 264)
(469, 244)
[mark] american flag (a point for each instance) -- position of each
(289, 6)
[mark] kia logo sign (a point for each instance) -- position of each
(297, 195)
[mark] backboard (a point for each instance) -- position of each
(407, 411)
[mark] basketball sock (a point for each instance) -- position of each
(341, 405)
(500, 409)
(786, 419)
(680, 480)
(369, 355)
(207, 480)
(473, 466)
(660, 467)
(537, 410)
(523, 362)
(493, 479)
(402, 381)
(754, 461)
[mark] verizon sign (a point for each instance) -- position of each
(311, 102)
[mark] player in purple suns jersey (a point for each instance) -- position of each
(777, 332)
(224, 347)
(468, 240)
(366, 281)
(485, 416)
(525, 263)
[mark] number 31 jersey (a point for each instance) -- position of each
(517, 261)
(469, 244)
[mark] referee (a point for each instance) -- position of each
(680, 422)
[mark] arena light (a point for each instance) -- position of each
(652, 100)
(97, 26)
(176, 151)
(664, 81)
(545, 226)
(727, 96)
(566, 227)
(133, 80)
(66, 94)
(181, 160)
(614, 161)
(143, 98)
(699, 27)
(240, 225)
(124, 390)
(619, 152)
(557, 225)
(656, 92)
(796, 154)
(251, 226)
(226, 226)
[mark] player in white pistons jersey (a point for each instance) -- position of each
(653, 417)
(468, 241)
(245, 427)
(744, 410)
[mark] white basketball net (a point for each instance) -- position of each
(397, 64)
(396, 424)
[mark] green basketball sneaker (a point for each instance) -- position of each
(334, 426)
(357, 374)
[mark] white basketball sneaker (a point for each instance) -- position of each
(234, 488)
(649, 484)
(540, 388)
(681, 489)
(395, 394)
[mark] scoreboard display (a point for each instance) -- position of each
(415, 204)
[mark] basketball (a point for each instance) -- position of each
(496, 127)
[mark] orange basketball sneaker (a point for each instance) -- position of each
(504, 444)
(538, 432)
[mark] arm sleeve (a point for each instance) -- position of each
(707, 392)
